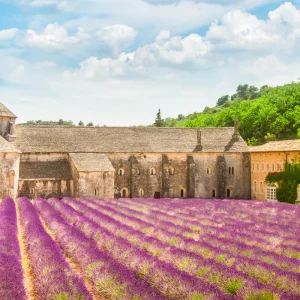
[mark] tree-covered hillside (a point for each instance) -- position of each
(268, 113)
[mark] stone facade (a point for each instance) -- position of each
(124, 162)
(270, 158)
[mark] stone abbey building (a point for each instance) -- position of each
(43, 161)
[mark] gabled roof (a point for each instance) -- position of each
(6, 147)
(91, 162)
(5, 112)
(287, 145)
(49, 170)
(125, 139)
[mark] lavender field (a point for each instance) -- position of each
(149, 249)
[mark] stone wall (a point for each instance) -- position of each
(180, 175)
(263, 163)
(9, 174)
(45, 188)
(95, 184)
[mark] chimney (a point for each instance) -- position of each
(199, 140)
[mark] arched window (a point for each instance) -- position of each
(121, 172)
(255, 186)
(136, 171)
(141, 193)
(96, 192)
(11, 176)
(171, 171)
(214, 193)
(32, 191)
(124, 192)
(152, 171)
(182, 193)
(231, 170)
(229, 193)
(208, 171)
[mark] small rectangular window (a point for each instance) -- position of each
(261, 187)
(257, 167)
(255, 187)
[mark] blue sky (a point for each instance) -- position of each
(116, 62)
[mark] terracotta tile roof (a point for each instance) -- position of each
(288, 145)
(6, 147)
(5, 112)
(125, 139)
(51, 170)
(91, 162)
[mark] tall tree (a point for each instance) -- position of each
(159, 121)
(80, 123)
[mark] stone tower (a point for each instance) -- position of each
(7, 123)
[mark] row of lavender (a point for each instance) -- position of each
(145, 249)
(11, 273)
(234, 274)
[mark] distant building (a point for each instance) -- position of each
(42, 161)
(270, 158)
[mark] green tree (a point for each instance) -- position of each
(222, 100)
(159, 121)
(80, 123)
(91, 124)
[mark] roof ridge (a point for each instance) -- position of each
(116, 127)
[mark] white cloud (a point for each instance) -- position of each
(8, 34)
(238, 29)
(165, 51)
(242, 30)
(54, 36)
(118, 37)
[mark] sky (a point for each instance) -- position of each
(116, 62)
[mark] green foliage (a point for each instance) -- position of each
(80, 123)
(288, 181)
(270, 113)
(233, 285)
(48, 123)
(90, 124)
(222, 100)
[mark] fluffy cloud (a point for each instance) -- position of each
(8, 34)
(242, 30)
(54, 36)
(166, 51)
(118, 37)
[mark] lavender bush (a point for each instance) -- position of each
(11, 273)
(52, 276)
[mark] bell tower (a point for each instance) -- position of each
(7, 123)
